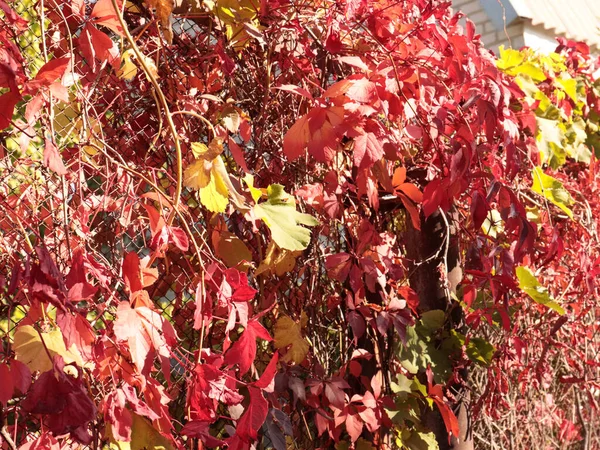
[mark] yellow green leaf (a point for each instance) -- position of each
(569, 85)
(550, 136)
(199, 149)
(552, 189)
(529, 69)
(289, 333)
(280, 215)
(509, 58)
(538, 293)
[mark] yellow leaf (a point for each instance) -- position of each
(31, 350)
(289, 332)
(199, 149)
(214, 196)
(552, 190)
(197, 174)
(128, 69)
(209, 175)
(143, 437)
(277, 261)
(254, 192)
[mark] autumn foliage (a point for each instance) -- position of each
(209, 219)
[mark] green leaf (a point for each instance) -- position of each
(552, 190)
(433, 320)
(532, 287)
(401, 385)
(419, 440)
(550, 136)
(569, 85)
(480, 351)
(529, 69)
(280, 215)
(509, 58)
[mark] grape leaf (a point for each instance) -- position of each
(243, 351)
(36, 354)
(289, 332)
(280, 215)
(277, 261)
(532, 287)
(552, 190)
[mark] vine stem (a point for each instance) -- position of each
(160, 192)
(163, 103)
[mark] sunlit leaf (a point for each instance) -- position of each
(280, 215)
(532, 287)
(552, 189)
(36, 349)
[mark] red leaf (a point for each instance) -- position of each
(354, 426)
(296, 90)
(200, 430)
(131, 272)
(105, 14)
(338, 266)
(254, 416)
(7, 386)
(243, 351)
(296, 139)
(157, 222)
(7, 106)
(411, 297)
(367, 150)
(77, 332)
(362, 90)
(76, 280)
(238, 154)
(479, 209)
(118, 416)
(317, 130)
(450, 419)
(334, 392)
(146, 332)
(12, 17)
(435, 195)
(95, 45)
(269, 374)
(412, 211)
(241, 291)
(49, 73)
(178, 237)
(64, 399)
(21, 376)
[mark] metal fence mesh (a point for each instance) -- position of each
(114, 134)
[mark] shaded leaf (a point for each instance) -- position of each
(288, 332)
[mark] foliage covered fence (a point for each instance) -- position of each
(214, 218)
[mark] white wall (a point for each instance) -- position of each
(538, 38)
(491, 36)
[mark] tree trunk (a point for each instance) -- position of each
(435, 273)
